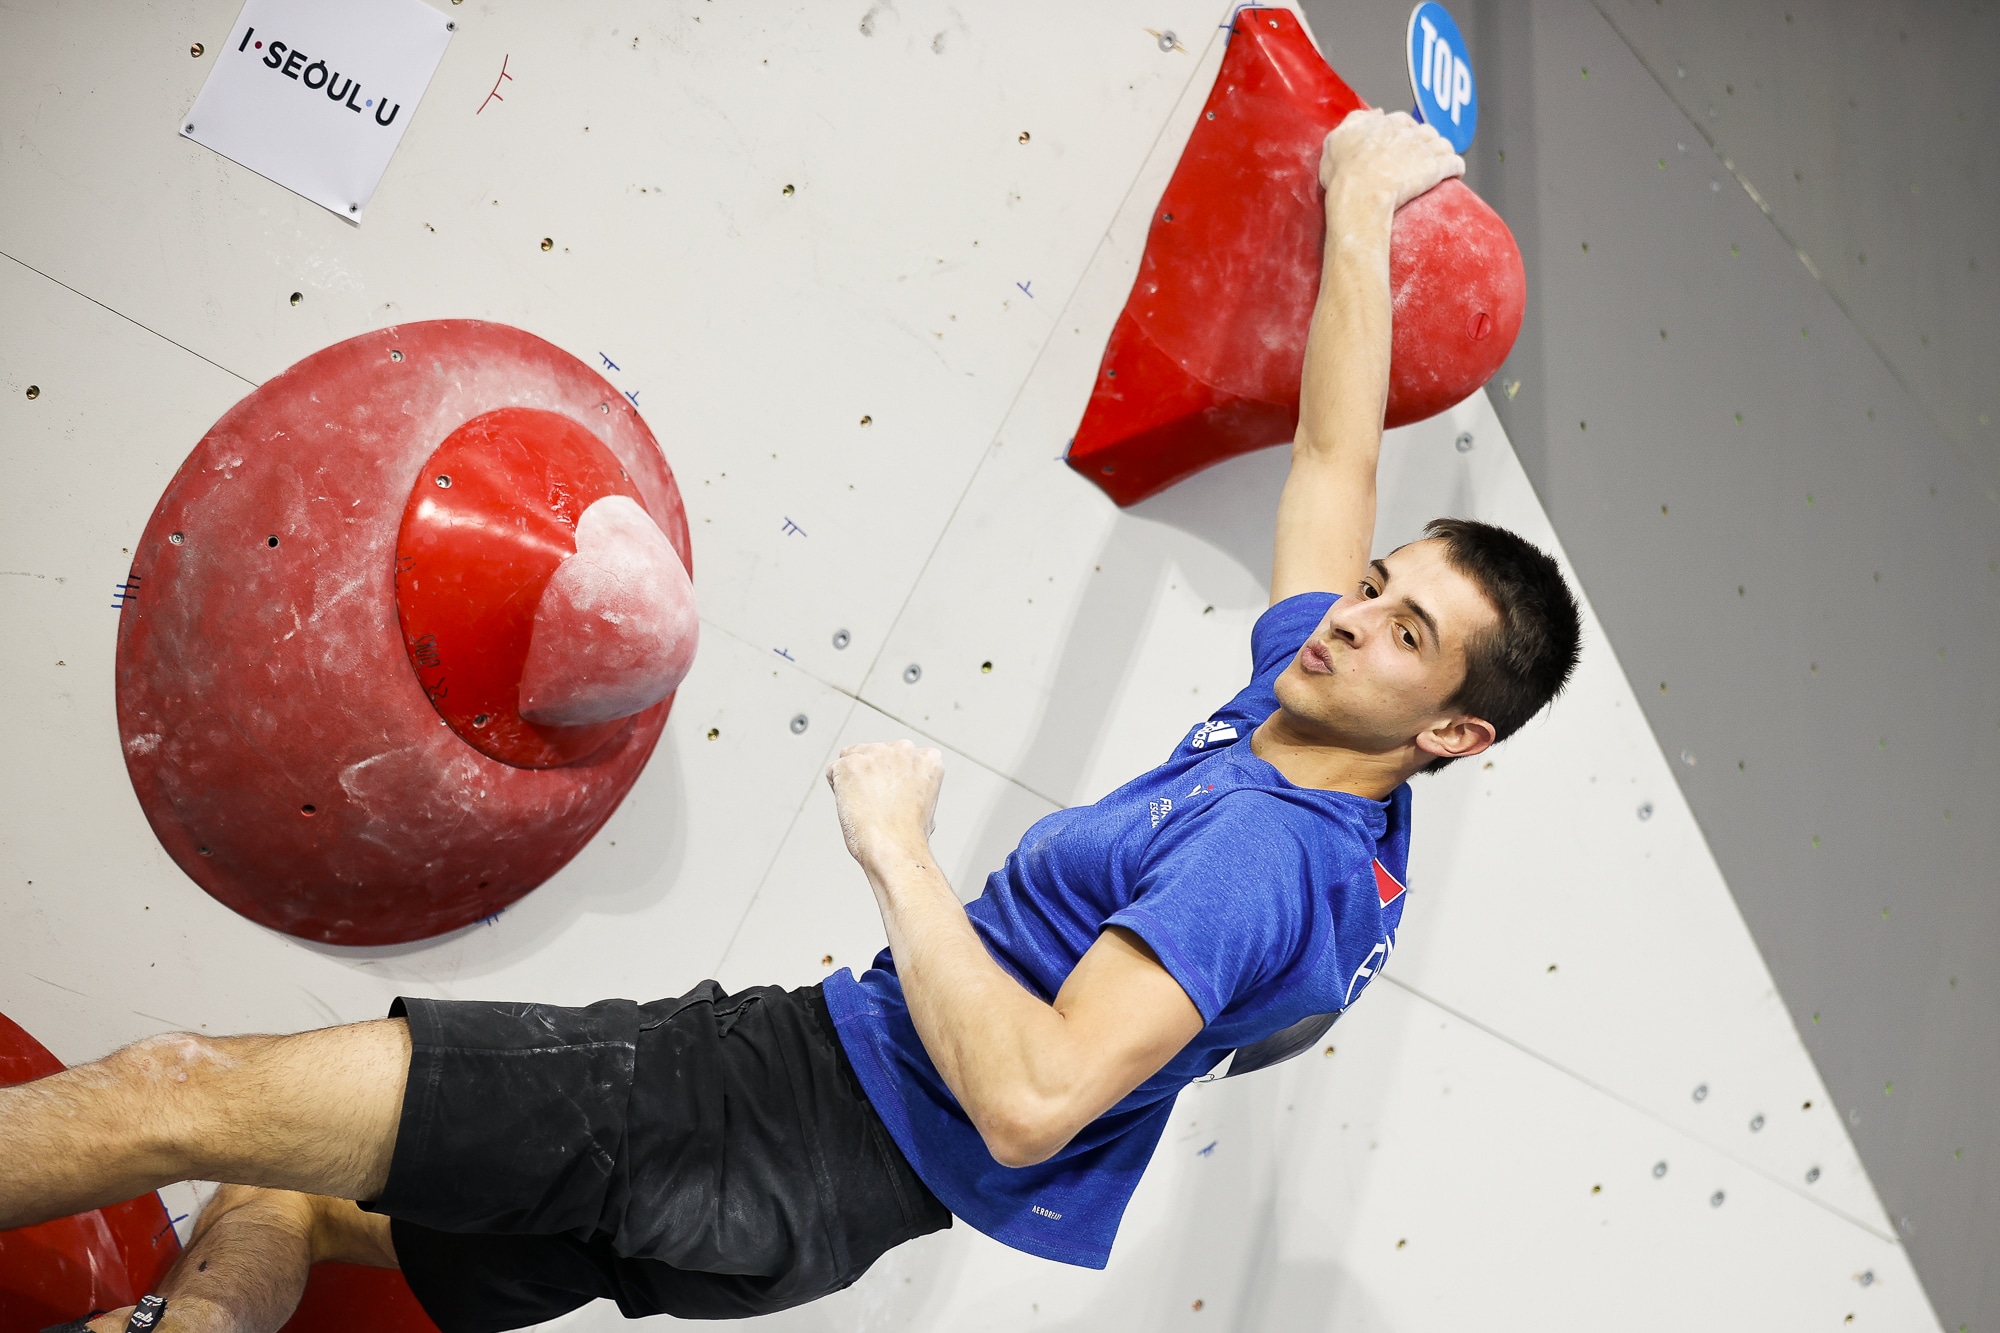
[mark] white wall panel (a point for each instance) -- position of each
(653, 149)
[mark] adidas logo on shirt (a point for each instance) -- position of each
(1219, 732)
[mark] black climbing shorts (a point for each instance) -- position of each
(708, 1157)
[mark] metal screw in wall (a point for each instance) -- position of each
(176, 538)
(1867, 1279)
(548, 243)
(1659, 1170)
(1715, 1199)
(1168, 41)
(196, 50)
(1646, 810)
(1464, 442)
(1756, 1123)
(188, 128)
(1812, 1175)
(912, 674)
(799, 724)
(841, 638)
(296, 296)
(395, 354)
(1701, 1092)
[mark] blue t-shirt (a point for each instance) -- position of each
(1268, 902)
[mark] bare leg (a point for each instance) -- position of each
(316, 1112)
(245, 1268)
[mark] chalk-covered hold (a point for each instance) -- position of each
(615, 630)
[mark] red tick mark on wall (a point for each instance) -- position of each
(495, 96)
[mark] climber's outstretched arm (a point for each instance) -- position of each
(1371, 165)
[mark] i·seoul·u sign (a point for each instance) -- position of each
(1441, 75)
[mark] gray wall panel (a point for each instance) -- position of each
(1838, 718)
(1866, 127)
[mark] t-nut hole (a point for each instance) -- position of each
(271, 540)
(480, 719)
(308, 810)
(444, 481)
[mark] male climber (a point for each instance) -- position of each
(1012, 1062)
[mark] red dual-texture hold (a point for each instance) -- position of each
(1204, 361)
(492, 516)
(274, 719)
(99, 1260)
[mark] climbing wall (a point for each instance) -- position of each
(855, 267)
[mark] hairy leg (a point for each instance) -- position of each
(315, 1112)
(245, 1267)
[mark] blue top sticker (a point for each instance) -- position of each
(1441, 76)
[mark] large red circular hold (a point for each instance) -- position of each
(99, 1260)
(275, 725)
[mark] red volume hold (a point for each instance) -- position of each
(414, 612)
(1204, 361)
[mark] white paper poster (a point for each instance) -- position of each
(316, 94)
